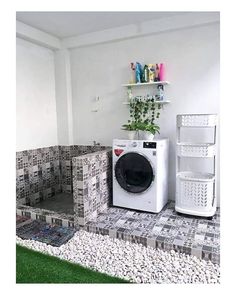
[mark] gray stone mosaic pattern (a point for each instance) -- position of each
(48, 216)
(37, 175)
(66, 153)
(91, 185)
(167, 230)
(42, 173)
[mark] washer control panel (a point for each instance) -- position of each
(149, 145)
(134, 144)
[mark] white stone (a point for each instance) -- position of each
(130, 261)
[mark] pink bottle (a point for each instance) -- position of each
(162, 72)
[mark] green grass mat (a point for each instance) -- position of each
(35, 267)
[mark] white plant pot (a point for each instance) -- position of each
(132, 134)
(146, 135)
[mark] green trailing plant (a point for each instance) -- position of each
(131, 126)
(143, 114)
(152, 128)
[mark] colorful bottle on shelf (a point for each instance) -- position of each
(162, 72)
(160, 92)
(145, 76)
(157, 77)
(132, 75)
(138, 72)
(151, 72)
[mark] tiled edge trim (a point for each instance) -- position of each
(154, 243)
(47, 216)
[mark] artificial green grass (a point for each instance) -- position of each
(35, 267)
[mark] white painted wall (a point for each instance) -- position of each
(63, 86)
(192, 60)
(36, 120)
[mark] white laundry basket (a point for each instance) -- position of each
(195, 192)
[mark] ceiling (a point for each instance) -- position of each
(67, 24)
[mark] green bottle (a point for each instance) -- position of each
(145, 77)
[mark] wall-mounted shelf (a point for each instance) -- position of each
(157, 102)
(146, 84)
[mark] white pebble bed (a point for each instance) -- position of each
(130, 261)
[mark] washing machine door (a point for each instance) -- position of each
(134, 172)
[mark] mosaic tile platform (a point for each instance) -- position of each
(167, 230)
(46, 233)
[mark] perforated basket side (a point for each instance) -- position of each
(192, 150)
(205, 120)
(194, 195)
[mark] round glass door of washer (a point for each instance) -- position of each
(134, 172)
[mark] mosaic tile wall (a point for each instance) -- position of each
(66, 153)
(44, 172)
(92, 185)
(37, 174)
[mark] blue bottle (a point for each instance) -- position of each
(138, 72)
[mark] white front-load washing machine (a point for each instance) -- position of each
(140, 174)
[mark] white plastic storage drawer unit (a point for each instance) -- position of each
(196, 191)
